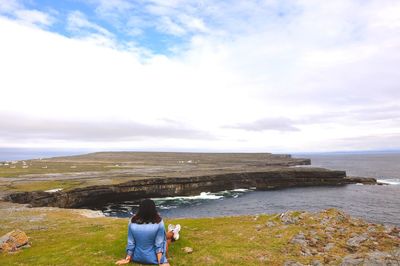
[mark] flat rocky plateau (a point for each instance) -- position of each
(93, 179)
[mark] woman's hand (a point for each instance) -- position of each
(122, 262)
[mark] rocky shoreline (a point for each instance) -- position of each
(94, 196)
(136, 175)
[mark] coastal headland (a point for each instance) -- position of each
(94, 179)
(71, 236)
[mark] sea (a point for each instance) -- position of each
(374, 203)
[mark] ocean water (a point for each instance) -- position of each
(11, 154)
(374, 203)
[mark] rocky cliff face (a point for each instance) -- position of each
(162, 187)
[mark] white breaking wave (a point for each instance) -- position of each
(240, 190)
(203, 195)
(392, 181)
(53, 190)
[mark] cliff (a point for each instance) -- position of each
(163, 187)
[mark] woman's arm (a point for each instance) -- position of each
(129, 248)
(159, 255)
(160, 241)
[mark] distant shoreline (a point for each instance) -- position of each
(10, 154)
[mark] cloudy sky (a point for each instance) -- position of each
(272, 75)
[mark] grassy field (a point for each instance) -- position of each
(64, 237)
(48, 167)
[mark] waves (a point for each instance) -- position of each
(127, 208)
(390, 181)
(175, 202)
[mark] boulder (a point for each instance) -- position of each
(375, 258)
(289, 218)
(292, 263)
(187, 250)
(352, 260)
(14, 240)
(355, 241)
(299, 239)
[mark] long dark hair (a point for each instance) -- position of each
(147, 213)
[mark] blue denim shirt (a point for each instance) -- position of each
(145, 240)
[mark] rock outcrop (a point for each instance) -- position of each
(13, 241)
(93, 196)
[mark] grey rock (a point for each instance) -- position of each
(328, 247)
(288, 218)
(325, 221)
(388, 228)
(352, 260)
(375, 258)
(187, 250)
(13, 240)
(316, 263)
(378, 258)
(329, 229)
(292, 263)
(270, 224)
(299, 239)
(313, 232)
(306, 251)
(355, 241)
(371, 229)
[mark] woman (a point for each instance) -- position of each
(147, 240)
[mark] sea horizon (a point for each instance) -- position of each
(11, 154)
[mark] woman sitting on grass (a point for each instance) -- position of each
(147, 240)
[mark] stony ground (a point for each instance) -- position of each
(330, 237)
(108, 168)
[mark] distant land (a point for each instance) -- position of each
(9, 154)
(103, 177)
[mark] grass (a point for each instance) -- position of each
(48, 167)
(63, 237)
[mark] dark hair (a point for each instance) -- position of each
(146, 213)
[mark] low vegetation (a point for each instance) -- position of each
(66, 237)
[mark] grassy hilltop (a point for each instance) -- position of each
(66, 237)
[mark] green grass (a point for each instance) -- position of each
(63, 237)
(37, 167)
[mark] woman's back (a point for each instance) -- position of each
(145, 240)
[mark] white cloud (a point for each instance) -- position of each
(31, 17)
(327, 72)
(168, 26)
(9, 6)
(34, 17)
(78, 23)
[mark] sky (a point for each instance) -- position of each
(180, 75)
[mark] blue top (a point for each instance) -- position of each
(145, 240)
